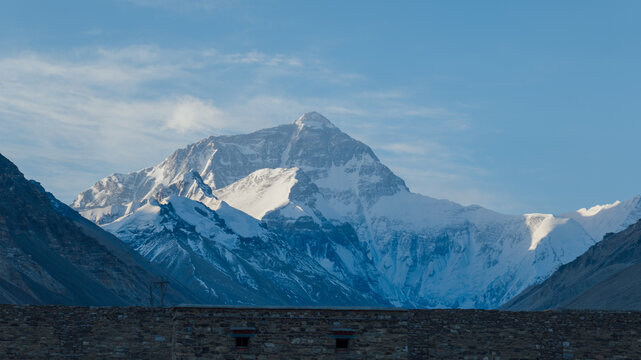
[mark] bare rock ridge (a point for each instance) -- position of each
(606, 277)
(312, 198)
(51, 255)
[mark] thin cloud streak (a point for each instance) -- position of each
(101, 111)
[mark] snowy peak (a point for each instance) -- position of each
(597, 209)
(344, 169)
(601, 219)
(330, 198)
(314, 120)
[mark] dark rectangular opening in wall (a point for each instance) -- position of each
(343, 337)
(241, 336)
(242, 342)
(342, 344)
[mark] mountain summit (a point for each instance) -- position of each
(333, 209)
(314, 120)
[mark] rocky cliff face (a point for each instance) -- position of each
(330, 199)
(51, 255)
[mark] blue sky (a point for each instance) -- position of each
(517, 106)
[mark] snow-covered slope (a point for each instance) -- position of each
(607, 276)
(601, 219)
(331, 199)
(260, 192)
(441, 254)
(228, 257)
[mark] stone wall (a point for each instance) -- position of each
(62, 332)
(59, 332)
(303, 334)
(483, 334)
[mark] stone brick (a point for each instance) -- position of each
(61, 332)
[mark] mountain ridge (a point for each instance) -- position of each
(52, 255)
(606, 277)
(403, 248)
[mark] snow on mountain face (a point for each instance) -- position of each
(262, 191)
(447, 255)
(602, 219)
(206, 252)
(541, 225)
(347, 171)
(333, 201)
(607, 277)
(314, 120)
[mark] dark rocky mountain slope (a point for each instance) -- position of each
(49, 254)
(607, 277)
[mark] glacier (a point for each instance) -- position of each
(306, 196)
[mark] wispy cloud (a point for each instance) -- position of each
(403, 148)
(126, 108)
(193, 114)
(73, 118)
(256, 57)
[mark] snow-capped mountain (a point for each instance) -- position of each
(331, 200)
(345, 170)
